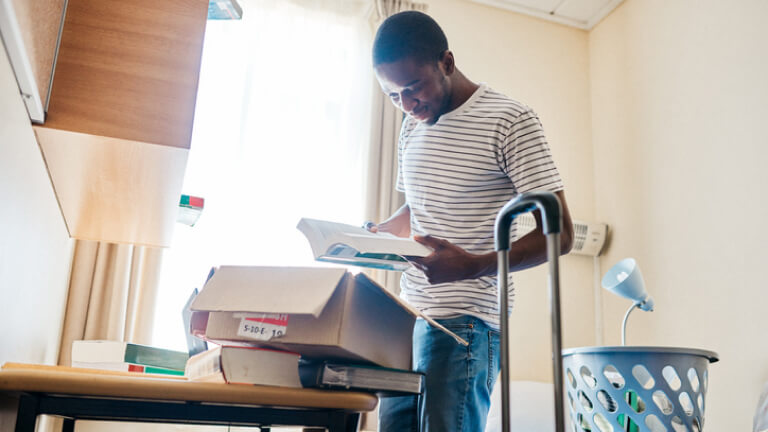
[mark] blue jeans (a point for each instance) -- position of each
(459, 380)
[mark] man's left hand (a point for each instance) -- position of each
(447, 263)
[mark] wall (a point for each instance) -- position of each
(654, 118)
(679, 95)
(35, 250)
(544, 65)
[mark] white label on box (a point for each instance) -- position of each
(262, 326)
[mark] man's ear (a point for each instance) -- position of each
(447, 62)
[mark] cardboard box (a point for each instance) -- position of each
(324, 313)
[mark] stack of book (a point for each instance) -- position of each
(125, 356)
(338, 321)
(252, 365)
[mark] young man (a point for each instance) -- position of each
(465, 150)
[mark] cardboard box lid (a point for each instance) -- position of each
(268, 289)
(299, 290)
(413, 311)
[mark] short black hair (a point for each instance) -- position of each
(409, 34)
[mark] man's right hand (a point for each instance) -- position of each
(388, 226)
(399, 224)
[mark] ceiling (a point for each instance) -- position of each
(583, 14)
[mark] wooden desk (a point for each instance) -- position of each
(77, 394)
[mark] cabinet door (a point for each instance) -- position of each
(119, 121)
(30, 31)
(129, 69)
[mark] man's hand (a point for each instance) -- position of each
(448, 262)
(399, 224)
(384, 227)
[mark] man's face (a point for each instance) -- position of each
(420, 89)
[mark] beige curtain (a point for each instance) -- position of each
(381, 197)
(112, 293)
(111, 296)
(385, 8)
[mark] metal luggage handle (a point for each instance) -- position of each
(550, 208)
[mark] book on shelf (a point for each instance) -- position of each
(245, 365)
(116, 355)
(380, 380)
(190, 208)
(347, 244)
(224, 10)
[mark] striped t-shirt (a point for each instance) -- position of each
(457, 174)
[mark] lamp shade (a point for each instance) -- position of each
(626, 280)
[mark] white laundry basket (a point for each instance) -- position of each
(636, 389)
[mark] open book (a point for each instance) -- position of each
(351, 245)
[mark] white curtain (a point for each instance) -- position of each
(386, 8)
(281, 130)
(381, 197)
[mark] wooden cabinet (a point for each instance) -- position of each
(129, 69)
(30, 33)
(119, 119)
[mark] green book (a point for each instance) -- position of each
(105, 352)
(162, 371)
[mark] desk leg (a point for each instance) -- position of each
(353, 423)
(27, 413)
(69, 425)
(344, 422)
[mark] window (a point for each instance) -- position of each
(281, 128)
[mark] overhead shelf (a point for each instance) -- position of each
(119, 122)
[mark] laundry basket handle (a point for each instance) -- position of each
(551, 211)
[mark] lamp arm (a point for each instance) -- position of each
(624, 323)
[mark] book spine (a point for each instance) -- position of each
(311, 374)
(154, 370)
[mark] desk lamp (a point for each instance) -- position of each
(626, 280)
(636, 388)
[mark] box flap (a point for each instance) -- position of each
(412, 310)
(298, 290)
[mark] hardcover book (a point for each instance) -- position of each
(380, 380)
(245, 365)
